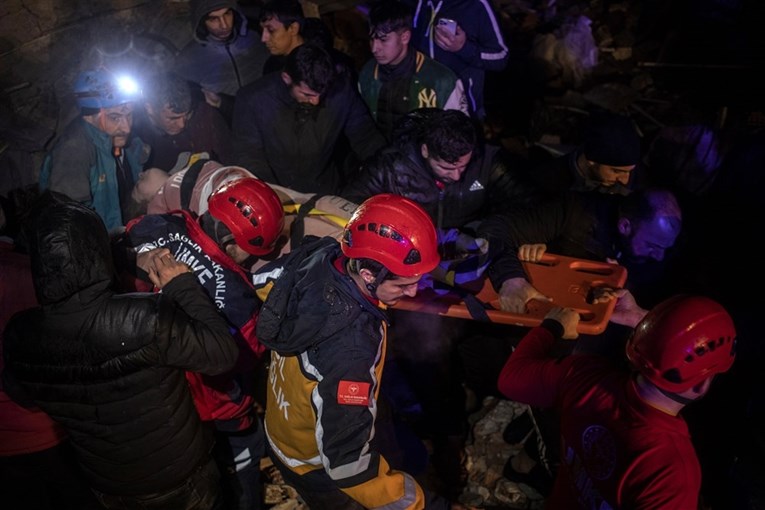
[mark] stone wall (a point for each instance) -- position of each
(45, 43)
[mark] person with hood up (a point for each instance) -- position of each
(111, 368)
(224, 55)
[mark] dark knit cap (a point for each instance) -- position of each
(611, 139)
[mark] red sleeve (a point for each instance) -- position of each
(530, 374)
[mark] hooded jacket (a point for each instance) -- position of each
(110, 368)
(221, 66)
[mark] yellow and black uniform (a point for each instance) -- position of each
(328, 346)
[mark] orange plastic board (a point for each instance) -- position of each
(566, 280)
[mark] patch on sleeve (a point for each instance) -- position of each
(353, 393)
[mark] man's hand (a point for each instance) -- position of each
(212, 98)
(448, 41)
(516, 292)
(162, 267)
(626, 312)
(568, 318)
(531, 252)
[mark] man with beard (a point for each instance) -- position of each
(288, 126)
(95, 161)
(634, 231)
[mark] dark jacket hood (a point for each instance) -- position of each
(200, 9)
(310, 301)
(69, 249)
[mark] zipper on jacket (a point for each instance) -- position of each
(233, 63)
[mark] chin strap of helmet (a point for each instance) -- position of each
(677, 398)
(372, 287)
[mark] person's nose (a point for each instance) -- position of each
(456, 174)
(410, 291)
(225, 24)
(264, 37)
(623, 179)
(374, 44)
(313, 100)
(657, 254)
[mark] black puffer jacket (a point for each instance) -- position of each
(110, 368)
(487, 186)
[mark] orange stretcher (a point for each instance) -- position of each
(568, 281)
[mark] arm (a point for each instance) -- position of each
(370, 181)
(190, 331)
(216, 133)
(508, 188)
(485, 49)
(506, 232)
(360, 128)
(531, 375)
(626, 311)
(248, 150)
(69, 169)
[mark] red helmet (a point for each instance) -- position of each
(252, 211)
(682, 341)
(395, 232)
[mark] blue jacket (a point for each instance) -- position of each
(81, 165)
(484, 48)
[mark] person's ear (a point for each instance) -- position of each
(294, 28)
(406, 36)
(624, 226)
(367, 276)
(424, 151)
(286, 79)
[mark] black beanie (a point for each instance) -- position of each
(611, 139)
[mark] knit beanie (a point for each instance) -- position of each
(611, 139)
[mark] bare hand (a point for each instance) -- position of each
(162, 267)
(516, 292)
(626, 311)
(212, 98)
(531, 252)
(568, 318)
(143, 259)
(448, 41)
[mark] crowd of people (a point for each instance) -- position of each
(207, 276)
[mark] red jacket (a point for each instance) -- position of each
(617, 451)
